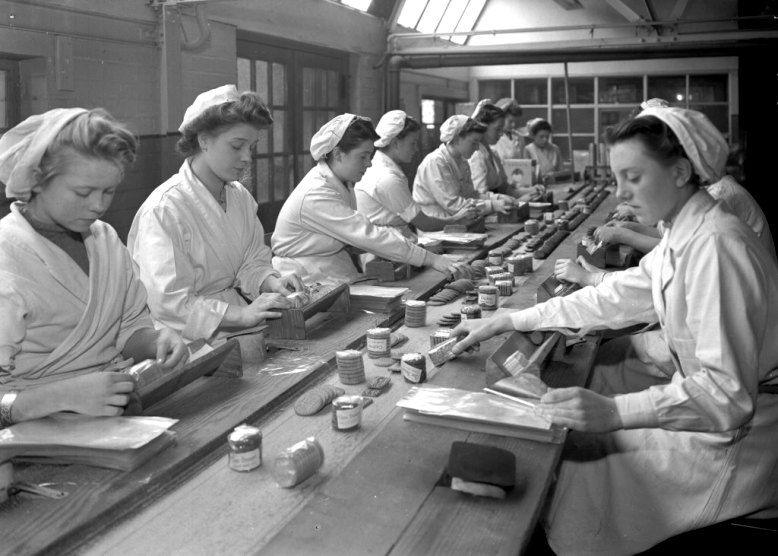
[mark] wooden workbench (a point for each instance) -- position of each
(208, 508)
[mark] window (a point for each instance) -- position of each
(599, 102)
(304, 90)
(9, 94)
(441, 16)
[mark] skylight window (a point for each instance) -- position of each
(361, 5)
(441, 16)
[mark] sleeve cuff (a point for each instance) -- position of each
(204, 319)
(411, 212)
(528, 319)
(636, 410)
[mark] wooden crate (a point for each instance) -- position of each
(551, 287)
(293, 322)
(388, 271)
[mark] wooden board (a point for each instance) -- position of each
(293, 323)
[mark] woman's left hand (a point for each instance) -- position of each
(171, 349)
(284, 285)
(580, 409)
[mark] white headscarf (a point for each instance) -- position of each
(23, 147)
(214, 97)
(704, 144)
(389, 126)
(452, 126)
(329, 135)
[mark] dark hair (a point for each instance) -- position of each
(409, 127)
(94, 134)
(488, 113)
(658, 139)
(538, 126)
(471, 126)
(357, 132)
(513, 110)
(248, 109)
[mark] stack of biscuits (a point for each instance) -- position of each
(451, 291)
(415, 313)
(351, 366)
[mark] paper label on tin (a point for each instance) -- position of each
(410, 372)
(495, 259)
(245, 461)
(377, 344)
(512, 267)
(349, 417)
(487, 299)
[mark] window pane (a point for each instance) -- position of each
(260, 68)
(263, 143)
(708, 88)
(410, 13)
(279, 85)
(280, 178)
(611, 116)
(531, 91)
(279, 128)
(579, 143)
(431, 16)
(621, 90)
(309, 128)
(244, 74)
(308, 86)
(670, 88)
(581, 90)
(718, 114)
(494, 89)
(3, 101)
(333, 98)
(248, 179)
(451, 17)
(427, 111)
(321, 87)
(528, 114)
(262, 180)
(469, 17)
(582, 120)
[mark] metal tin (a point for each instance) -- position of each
(495, 257)
(414, 367)
(378, 342)
(245, 443)
(439, 336)
(487, 297)
(471, 311)
(346, 413)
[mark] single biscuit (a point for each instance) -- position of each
(384, 362)
(312, 401)
(379, 382)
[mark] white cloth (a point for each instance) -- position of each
(214, 97)
(389, 126)
(319, 220)
(452, 126)
(486, 171)
(55, 321)
(704, 144)
(23, 147)
(743, 205)
(549, 158)
(384, 197)
(509, 146)
(443, 185)
(329, 135)
(709, 448)
(192, 254)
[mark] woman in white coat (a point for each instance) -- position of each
(197, 240)
(383, 194)
(319, 220)
(71, 306)
(657, 451)
(443, 184)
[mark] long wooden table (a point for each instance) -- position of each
(215, 509)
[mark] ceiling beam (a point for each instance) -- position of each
(628, 13)
(678, 9)
(569, 4)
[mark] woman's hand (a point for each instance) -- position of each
(468, 212)
(578, 272)
(451, 268)
(478, 330)
(580, 409)
(283, 285)
(608, 234)
(170, 348)
(99, 394)
(260, 309)
(502, 204)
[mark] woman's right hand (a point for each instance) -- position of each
(103, 394)
(468, 212)
(451, 268)
(478, 330)
(260, 308)
(502, 204)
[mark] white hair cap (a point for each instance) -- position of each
(452, 126)
(704, 144)
(389, 126)
(23, 147)
(330, 134)
(214, 97)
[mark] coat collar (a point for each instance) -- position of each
(688, 220)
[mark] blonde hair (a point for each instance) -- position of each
(94, 134)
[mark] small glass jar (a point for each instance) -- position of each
(245, 443)
(346, 413)
(487, 297)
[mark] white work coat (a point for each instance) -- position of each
(509, 146)
(745, 207)
(486, 171)
(707, 447)
(319, 220)
(384, 197)
(443, 185)
(192, 254)
(55, 321)
(549, 158)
